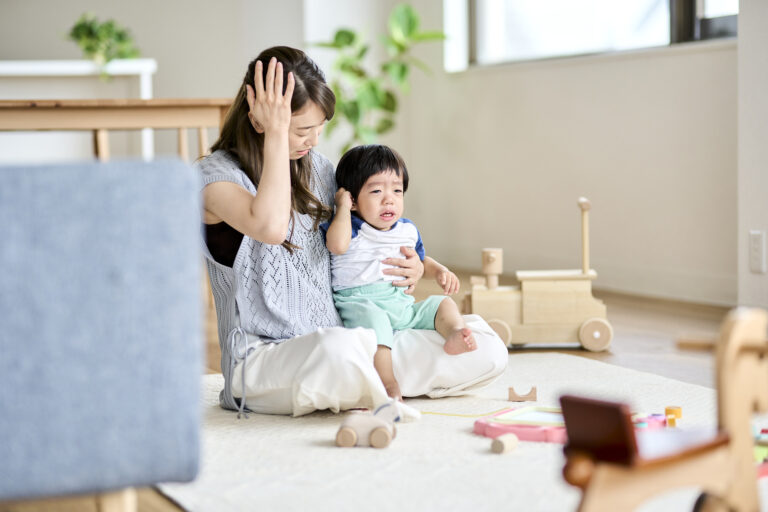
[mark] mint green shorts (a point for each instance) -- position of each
(385, 308)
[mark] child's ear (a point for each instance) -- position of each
(354, 205)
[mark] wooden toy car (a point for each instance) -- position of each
(375, 429)
(549, 306)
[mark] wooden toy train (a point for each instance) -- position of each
(549, 306)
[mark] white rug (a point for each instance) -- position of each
(281, 463)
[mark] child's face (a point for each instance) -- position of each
(380, 202)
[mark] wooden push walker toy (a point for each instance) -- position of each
(549, 306)
(616, 471)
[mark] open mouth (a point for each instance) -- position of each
(387, 215)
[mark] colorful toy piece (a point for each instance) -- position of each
(530, 423)
(549, 306)
(361, 428)
(546, 424)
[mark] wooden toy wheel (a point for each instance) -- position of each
(346, 437)
(502, 329)
(596, 334)
(380, 437)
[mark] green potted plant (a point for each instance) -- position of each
(367, 101)
(102, 41)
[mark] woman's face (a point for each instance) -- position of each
(304, 133)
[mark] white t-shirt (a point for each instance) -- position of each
(362, 263)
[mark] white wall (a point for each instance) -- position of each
(499, 155)
(753, 150)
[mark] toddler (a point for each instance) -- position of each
(367, 228)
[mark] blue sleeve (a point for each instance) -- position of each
(420, 247)
(357, 223)
(324, 228)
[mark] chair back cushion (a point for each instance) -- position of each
(100, 326)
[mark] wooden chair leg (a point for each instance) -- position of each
(183, 145)
(202, 141)
(101, 144)
(118, 501)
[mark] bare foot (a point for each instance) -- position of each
(460, 341)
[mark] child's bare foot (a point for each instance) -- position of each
(460, 341)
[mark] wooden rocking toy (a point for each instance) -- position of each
(618, 471)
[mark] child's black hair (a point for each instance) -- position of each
(361, 162)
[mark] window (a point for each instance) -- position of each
(493, 31)
(510, 30)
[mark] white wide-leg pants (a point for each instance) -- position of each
(333, 369)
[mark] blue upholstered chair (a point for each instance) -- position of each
(100, 327)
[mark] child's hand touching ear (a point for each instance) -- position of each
(448, 281)
(343, 199)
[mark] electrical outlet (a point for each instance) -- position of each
(757, 251)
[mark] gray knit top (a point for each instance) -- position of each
(269, 292)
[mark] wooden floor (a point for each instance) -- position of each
(645, 334)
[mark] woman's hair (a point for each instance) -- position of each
(239, 138)
(361, 162)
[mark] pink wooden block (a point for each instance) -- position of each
(540, 424)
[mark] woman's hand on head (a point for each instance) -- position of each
(409, 267)
(269, 108)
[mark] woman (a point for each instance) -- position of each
(265, 192)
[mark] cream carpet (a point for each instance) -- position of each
(281, 463)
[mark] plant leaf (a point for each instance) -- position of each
(419, 64)
(389, 102)
(431, 35)
(403, 23)
(384, 125)
(344, 37)
(366, 134)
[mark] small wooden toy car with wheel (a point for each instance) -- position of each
(549, 306)
(362, 428)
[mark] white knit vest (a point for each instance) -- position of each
(269, 292)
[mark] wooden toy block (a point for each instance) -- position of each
(549, 306)
(674, 410)
(616, 472)
(504, 443)
(528, 397)
(671, 420)
(492, 267)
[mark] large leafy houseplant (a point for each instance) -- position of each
(367, 101)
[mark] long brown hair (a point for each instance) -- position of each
(240, 139)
